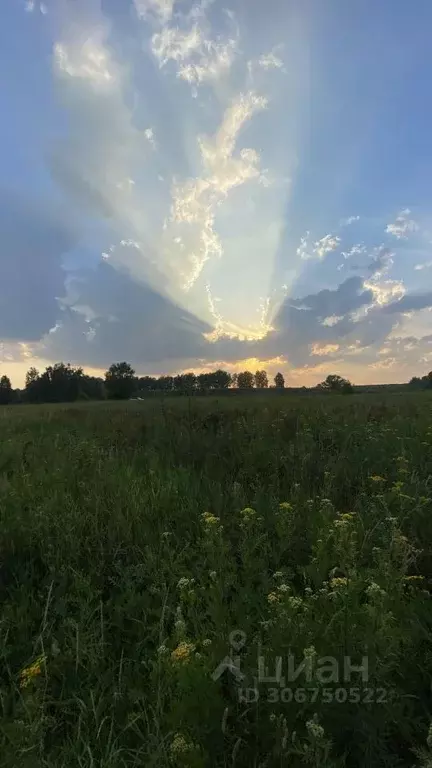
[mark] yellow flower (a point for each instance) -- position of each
(347, 516)
(209, 519)
(180, 746)
(339, 582)
(377, 479)
(414, 579)
(272, 598)
(248, 514)
(34, 670)
(285, 506)
(183, 652)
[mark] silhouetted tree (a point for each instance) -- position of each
(6, 392)
(185, 382)
(165, 383)
(120, 381)
(221, 379)
(335, 383)
(59, 383)
(245, 380)
(279, 381)
(146, 384)
(425, 382)
(31, 391)
(261, 380)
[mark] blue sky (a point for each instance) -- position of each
(196, 184)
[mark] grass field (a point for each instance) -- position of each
(136, 538)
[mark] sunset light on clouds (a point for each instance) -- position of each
(190, 185)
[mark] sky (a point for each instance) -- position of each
(195, 184)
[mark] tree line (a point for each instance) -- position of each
(64, 383)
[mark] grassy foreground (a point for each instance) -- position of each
(143, 543)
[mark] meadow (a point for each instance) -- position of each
(142, 544)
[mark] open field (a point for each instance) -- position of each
(136, 537)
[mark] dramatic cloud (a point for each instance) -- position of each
(199, 193)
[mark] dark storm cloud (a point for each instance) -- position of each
(409, 303)
(127, 320)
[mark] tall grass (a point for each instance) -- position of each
(136, 538)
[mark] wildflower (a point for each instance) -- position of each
(180, 628)
(285, 506)
(315, 729)
(213, 575)
(206, 642)
(209, 519)
(283, 588)
(414, 579)
(166, 534)
(184, 583)
(339, 582)
(374, 591)
(347, 516)
(310, 653)
(34, 670)
(342, 523)
(248, 512)
(294, 602)
(377, 479)
(272, 598)
(183, 652)
(180, 746)
(162, 650)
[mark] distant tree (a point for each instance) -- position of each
(335, 383)
(279, 381)
(165, 383)
(425, 382)
(6, 391)
(146, 383)
(31, 391)
(221, 379)
(185, 382)
(261, 380)
(245, 380)
(120, 381)
(234, 379)
(59, 383)
(92, 388)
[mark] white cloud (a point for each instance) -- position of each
(302, 250)
(88, 60)
(426, 265)
(349, 220)
(149, 134)
(270, 61)
(356, 250)
(323, 349)
(195, 201)
(198, 58)
(402, 226)
(332, 320)
(385, 291)
(162, 10)
(327, 244)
